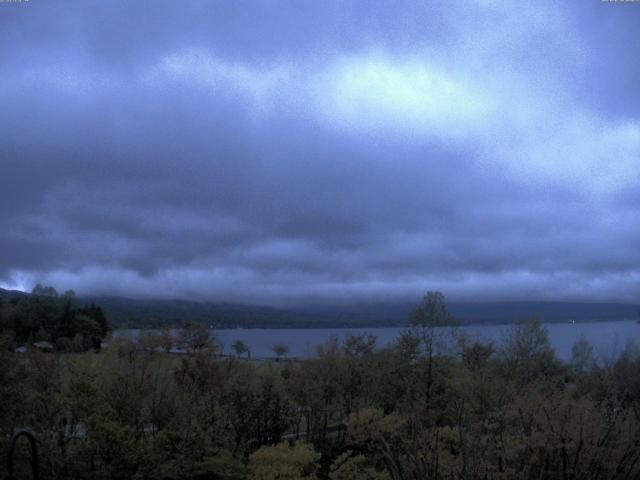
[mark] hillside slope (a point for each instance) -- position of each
(137, 313)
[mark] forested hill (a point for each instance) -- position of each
(392, 314)
(135, 313)
(130, 312)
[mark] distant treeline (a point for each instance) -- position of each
(148, 313)
(136, 313)
(52, 321)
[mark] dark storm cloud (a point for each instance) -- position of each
(277, 152)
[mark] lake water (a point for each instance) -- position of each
(607, 338)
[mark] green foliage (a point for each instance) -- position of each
(582, 357)
(240, 348)
(432, 311)
(43, 317)
(195, 337)
(283, 462)
(527, 353)
(355, 345)
(281, 350)
(510, 411)
(354, 467)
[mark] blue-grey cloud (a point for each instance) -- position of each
(283, 151)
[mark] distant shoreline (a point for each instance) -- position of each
(361, 327)
(605, 336)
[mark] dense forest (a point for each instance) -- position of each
(52, 321)
(430, 406)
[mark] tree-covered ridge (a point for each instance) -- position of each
(430, 406)
(54, 320)
(159, 313)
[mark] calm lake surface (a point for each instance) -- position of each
(607, 338)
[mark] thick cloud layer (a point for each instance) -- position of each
(280, 152)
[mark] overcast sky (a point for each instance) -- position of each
(278, 152)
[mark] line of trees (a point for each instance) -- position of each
(430, 406)
(46, 318)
